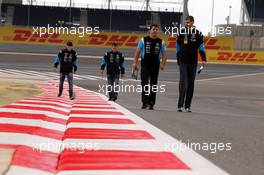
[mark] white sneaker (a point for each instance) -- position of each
(179, 109)
(188, 110)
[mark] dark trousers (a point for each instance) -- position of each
(186, 84)
(70, 82)
(149, 78)
(112, 79)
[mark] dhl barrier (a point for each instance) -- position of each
(234, 56)
(219, 49)
(124, 40)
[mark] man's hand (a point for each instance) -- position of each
(55, 69)
(102, 73)
(162, 66)
(134, 67)
(122, 76)
(203, 62)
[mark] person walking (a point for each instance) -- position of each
(151, 49)
(67, 59)
(114, 63)
(189, 43)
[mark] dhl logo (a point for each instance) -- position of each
(92, 40)
(103, 39)
(237, 56)
(28, 36)
(107, 40)
(210, 44)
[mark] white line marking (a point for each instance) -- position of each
(192, 159)
(229, 77)
(30, 140)
(99, 116)
(18, 170)
(42, 106)
(106, 126)
(93, 109)
(126, 145)
(50, 114)
(34, 123)
(217, 78)
(100, 57)
(48, 102)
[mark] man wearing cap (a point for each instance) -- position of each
(67, 59)
(114, 63)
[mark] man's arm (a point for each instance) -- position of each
(202, 48)
(75, 63)
(178, 49)
(57, 61)
(103, 63)
(137, 54)
(136, 57)
(122, 64)
(163, 56)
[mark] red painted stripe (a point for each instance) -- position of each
(66, 100)
(93, 107)
(27, 157)
(91, 102)
(119, 160)
(96, 112)
(37, 109)
(44, 103)
(33, 130)
(8, 146)
(89, 98)
(32, 116)
(50, 100)
(87, 102)
(94, 133)
(85, 96)
(100, 120)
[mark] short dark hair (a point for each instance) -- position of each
(69, 43)
(114, 44)
(153, 25)
(191, 18)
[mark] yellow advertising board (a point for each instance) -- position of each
(218, 49)
(124, 40)
(235, 56)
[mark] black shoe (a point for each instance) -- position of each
(188, 110)
(59, 95)
(144, 106)
(72, 98)
(114, 99)
(179, 110)
(151, 107)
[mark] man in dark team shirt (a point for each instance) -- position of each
(67, 59)
(151, 49)
(189, 43)
(114, 62)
